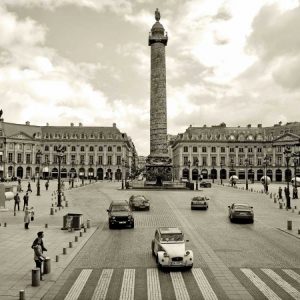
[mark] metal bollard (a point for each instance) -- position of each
(275, 201)
(52, 211)
(52, 204)
(70, 245)
(35, 277)
(80, 234)
(76, 238)
(57, 258)
(280, 205)
(21, 295)
(84, 229)
(55, 210)
(46, 225)
(47, 265)
(5, 224)
(289, 225)
(64, 250)
(298, 231)
(88, 223)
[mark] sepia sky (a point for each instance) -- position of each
(88, 61)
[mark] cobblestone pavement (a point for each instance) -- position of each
(232, 260)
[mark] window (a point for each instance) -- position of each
(118, 160)
(231, 150)
(100, 160)
(279, 160)
(241, 161)
(28, 158)
(20, 146)
(204, 149)
(10, 157)
(259, 162)
(259, 149)
(185, 149)
(64, 159)
(73, 148)
(250, 161)
(223, 160)
(91, 148)
(91, 160)
(204, 161)
(109, 160)
(195, 160)
(82, 159)
(213, 161)
(28, 147)
(109, 149)
(250, 150)
(100, 148)
(223, 150)
(278, 149)
(82, 148)
(119, 149)
(82, 135)
(241, 150)
(55, 148)
(19, 158)
(213, 149)
(185, 160)
(73, 157)
(46, 148)
(195, 149)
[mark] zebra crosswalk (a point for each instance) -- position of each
(153, 284)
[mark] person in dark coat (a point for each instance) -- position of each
(26, 200)
(17, 201)
(29, 187)
(280, 193)
(38, 247)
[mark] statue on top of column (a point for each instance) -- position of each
(157, 15)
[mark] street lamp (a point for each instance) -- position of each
(38, 157)
(123, 162)
(72, 174)
(48, 164)
(287, 154)
(213, 173)
(189, 166)
(197, 165)
(266, 161)
(246, 165)
(90, 177)
(221, 177)
(60, 154)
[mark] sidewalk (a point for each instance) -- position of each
(16, 258)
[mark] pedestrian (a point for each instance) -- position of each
(29, 187)
(47, 185)
(25, 199)
(38, 247)
(17, 201)
(280, 193)
(295, 193)
(26, 218)
(31, 213)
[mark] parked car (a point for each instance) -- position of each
(119, 213)
(168, 246)
(139, 202)
(240, 211)
(199, 202)
(205, 184)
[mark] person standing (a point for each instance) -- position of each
(29, 187)
(38, 247)
(25, 199)
(17, 201)
(47, 185)
(280, 193)
(26, 217)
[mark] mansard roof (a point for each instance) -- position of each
(13, 129)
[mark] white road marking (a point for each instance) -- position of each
(102, 285)
(292, 274)
(260, 285)
(203, 284)
(153, 286)
(181, 292)
(282, 283)
(78, 285)
(127, 289)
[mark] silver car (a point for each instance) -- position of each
(199, 202)
(240, 211)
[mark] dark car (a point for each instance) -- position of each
(139, 202)
(119, 213)
(240, 211)
(205, 184)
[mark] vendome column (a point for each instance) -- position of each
(159, 164)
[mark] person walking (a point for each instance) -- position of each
(25, 199)
(38, 247)
(280, 193)
(26, 217)
(47, 185)
(17, 201)
(29, 187)
(31, 213)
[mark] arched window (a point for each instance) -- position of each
(91, 148)
(82, 148)
(82, 135)
(100, 148)
(73, 148)
(119, 149)
(109, 148)
(46, 148)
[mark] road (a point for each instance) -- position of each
(232, 260)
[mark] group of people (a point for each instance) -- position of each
(28, 212)
(287, 192)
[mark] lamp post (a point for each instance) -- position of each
(287, 154)
(213, 173)
(60, 154)
(246, 165)
(123, 161)
(221, 177)
(38, 157)
(48, 164)
(266, 161)
(72, 174)
(197, 165)
(189, 166)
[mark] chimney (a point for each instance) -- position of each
(258, 125)
(80, 124)
(249, 126)
(47, 124)
(114, 125)
(27, 123)
(72, 124)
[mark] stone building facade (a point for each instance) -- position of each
(89, 152)
(219, 152)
